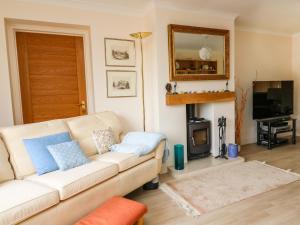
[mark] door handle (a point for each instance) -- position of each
(82, 105)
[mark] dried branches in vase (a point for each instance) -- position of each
(240, 105)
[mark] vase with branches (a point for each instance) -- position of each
(240, 105)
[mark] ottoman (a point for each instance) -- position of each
(116, 211)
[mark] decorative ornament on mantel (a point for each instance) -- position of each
(169, 88)
(175, 88)
(140, 36)
(227, 89)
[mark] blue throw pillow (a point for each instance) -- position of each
(68, 155)
(39, 154)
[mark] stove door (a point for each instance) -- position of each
(198, 140)
(200, 137)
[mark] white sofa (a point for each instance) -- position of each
(63, 197)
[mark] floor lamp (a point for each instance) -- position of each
(140, 36)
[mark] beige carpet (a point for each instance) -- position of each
(202, 191)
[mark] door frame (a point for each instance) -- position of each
(13, 26)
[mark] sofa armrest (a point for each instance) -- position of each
(159, 153)
(121, 136)
(159, 150)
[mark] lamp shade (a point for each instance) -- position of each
(204, 53)
(140, 35)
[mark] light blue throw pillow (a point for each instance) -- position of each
(39, 154)
(68, 155)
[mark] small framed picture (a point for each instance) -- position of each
(119, 52)
(121, 83)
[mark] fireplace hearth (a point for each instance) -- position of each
(198, 135)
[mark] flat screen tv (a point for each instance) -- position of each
(273, 99)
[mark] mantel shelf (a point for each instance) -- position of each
(196, 98)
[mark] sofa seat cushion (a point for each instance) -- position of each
(22, 199)
(123, 160)
(78, 179)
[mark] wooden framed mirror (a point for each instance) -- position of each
(197, 53)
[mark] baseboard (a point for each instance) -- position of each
(250, 140)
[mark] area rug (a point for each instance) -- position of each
(205, 190)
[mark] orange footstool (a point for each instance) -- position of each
(116, 211)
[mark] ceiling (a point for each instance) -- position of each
(280, 16)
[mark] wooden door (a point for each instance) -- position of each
(52, 78)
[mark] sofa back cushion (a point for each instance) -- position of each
(6, 172)
(82, 128)
(37, 149)
(14, 136)
(113, 121)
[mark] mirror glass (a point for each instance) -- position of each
(199, 54)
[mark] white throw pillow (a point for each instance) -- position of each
(104, 138)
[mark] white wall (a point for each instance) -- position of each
(171, 119)
(6, 111)
(101, 25)
(268, 54)
(167, 119)
(296, 77)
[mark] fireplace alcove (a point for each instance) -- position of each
(211, 106)
(198, 134)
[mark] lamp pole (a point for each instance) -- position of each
(140, 36)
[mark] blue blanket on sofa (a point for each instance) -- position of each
(141, 143)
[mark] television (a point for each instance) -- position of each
(273, 99)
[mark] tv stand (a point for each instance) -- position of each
(268, 130)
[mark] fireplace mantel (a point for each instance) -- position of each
(196, 98)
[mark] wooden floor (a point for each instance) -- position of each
(277, 207)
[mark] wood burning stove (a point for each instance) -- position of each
(198, 135)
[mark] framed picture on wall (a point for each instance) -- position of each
(119, 52)
(121, 83)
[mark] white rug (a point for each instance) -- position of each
(202, 191)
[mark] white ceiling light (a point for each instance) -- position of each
(204, 53)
